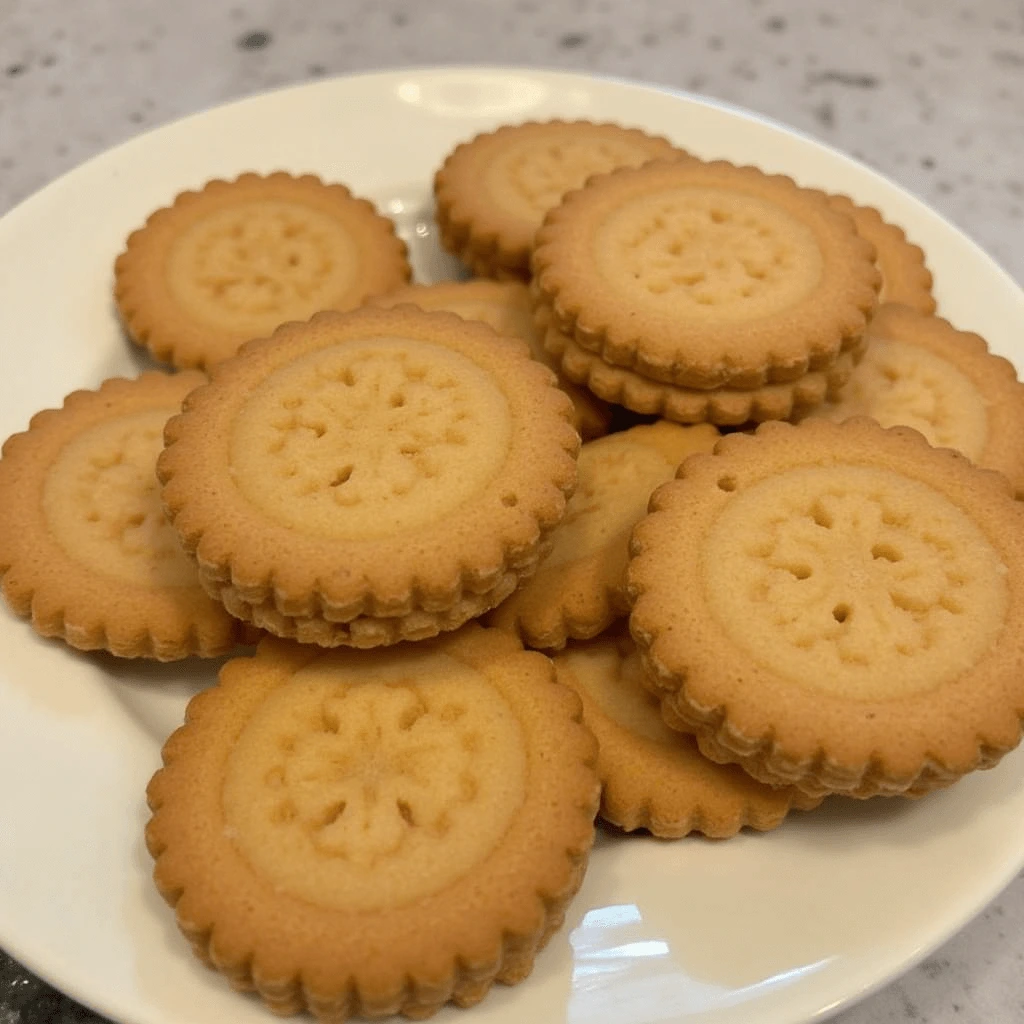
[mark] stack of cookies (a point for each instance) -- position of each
(835, 607)
(703, 292)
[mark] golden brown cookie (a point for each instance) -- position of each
(375, 832)
(505, 306)
(905, 278)
(579, 589)
(721, 406)
(236, 259)
(922, 372)
(85, 550)
(370, 477)
(705, 275)
(654, 777)
(838, 607)
(493, 191)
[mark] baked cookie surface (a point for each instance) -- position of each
(505, 306)
(654, 777)
(705, 275)
(369, 477)
(86, 552)
(837, 607)
(579, 588)
(922, 372)
(375, 832)
(905, 277)
(238, 258)
(493, 191)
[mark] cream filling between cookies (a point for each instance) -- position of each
(854, 580)
(369, 781)
(102, 502)
(367, 438)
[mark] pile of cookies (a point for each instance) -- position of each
(633, 526)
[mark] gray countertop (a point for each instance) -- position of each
(931, 94)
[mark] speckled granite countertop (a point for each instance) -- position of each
(930, 94)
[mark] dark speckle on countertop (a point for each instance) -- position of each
(934, 967)
(856, 79)
(776, 24)
(572, 40)
(910, 1009)
(825, 113)
(255, 40)
(1009, 58)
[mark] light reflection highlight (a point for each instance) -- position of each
(473, 94)
(621, 976)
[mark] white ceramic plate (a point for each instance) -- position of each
(782, 927)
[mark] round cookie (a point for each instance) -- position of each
(236, 259)
(905, 278)
(653, 777)
(370, 477)
(721, 406)
(86, 552)
(492, 192)
(375, 832)
(579, 588)
(705, 275)
(505, 306)
(838, 607)
(922, 372)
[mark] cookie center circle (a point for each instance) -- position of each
(370, 437)
(364, 783)
(102, 501)
(530, 176)
(854, 580)
(249, 266)
(899, 383)
(701, 252)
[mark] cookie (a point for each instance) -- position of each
(654, 777)
(86, 553)
(237, 258)
(492, 192)
(905, 277)
(505, 306)
(922, 372)
(721, 406)
(375, 832)
(705, 275)
(370, 477)
(579, 589)
(838, 607)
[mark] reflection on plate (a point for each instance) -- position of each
(778, 927)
